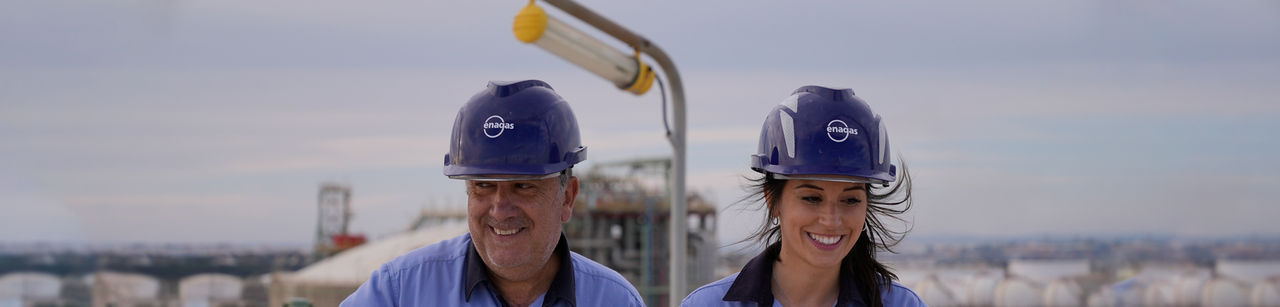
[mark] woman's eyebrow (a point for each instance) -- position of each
(810, 186)
(806, 185)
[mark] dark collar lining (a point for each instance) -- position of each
(562, 286)
(754, 283)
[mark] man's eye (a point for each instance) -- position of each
(525, 186)
(482, 184)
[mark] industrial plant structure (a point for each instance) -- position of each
(621, 220)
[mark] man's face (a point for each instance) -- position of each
(516, 224)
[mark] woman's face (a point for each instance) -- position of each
(820, 220)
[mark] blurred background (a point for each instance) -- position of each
(225, 153)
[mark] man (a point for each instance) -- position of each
(515, 145)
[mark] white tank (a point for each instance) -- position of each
(981, 290)
(353, 266)
(1161, 293)
(934, 292)
(1266, 293)
(1225, 292)
(1128, 292)
(1189, 288)
(1063, 292)
(1018, 292)
(125, 287)
(210, 287)
(1101, 299)
(19, 286)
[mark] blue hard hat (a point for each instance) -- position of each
(514, 128)
(824, 131)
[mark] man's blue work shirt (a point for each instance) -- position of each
(753, 287)
(451, 273)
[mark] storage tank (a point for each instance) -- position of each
(125, 289)
(934, 292)
(1127, 292)
(1189, 287)
(20, 288)
(210, 289)
(1266, 293)
(1162, 292)
(1225, 292)
(328, 282)
(1018, 292)
(981, 290)
(1063, 292)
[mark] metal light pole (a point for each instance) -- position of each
(532, 25)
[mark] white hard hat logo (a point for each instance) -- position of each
(838, 131)
(495, 125)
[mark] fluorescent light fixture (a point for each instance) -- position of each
(533, 25)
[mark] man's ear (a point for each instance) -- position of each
(570, 195)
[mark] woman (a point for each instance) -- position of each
(827, 180)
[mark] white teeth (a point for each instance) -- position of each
(825, 239)
(501, 232)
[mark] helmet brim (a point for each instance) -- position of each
(505, 177)
(833, 178)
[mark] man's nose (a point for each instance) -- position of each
(503, 202)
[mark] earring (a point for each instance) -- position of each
(775, 221)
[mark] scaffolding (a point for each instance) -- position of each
(621, 220)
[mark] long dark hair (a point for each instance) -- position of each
(882, 201)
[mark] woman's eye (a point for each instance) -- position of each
(811, 199)
(853, 201)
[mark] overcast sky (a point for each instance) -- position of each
(215, 121)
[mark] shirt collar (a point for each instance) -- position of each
(754, 283)
(562, 286)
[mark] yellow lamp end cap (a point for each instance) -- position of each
(644, 80)
(530, 23)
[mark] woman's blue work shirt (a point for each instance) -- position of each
(752, 288)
